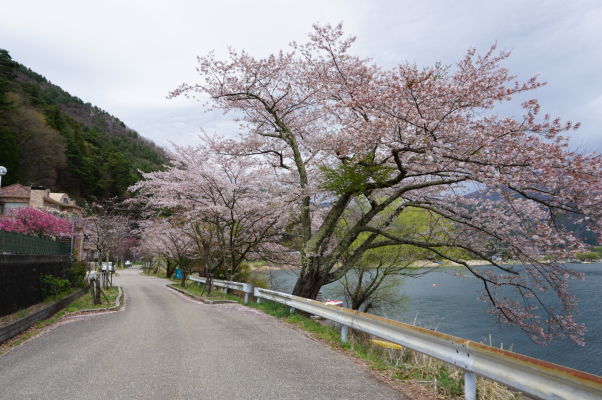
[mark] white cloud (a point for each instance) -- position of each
(125, 56)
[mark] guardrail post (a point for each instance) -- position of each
(344, 333)
(248, 290)
(470, 386)
(291, 310)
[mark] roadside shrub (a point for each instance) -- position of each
(588, 256)
(243, 273)
(52, 286)
(258, 280)
(77, 273)
(170, 268)
(246, 274)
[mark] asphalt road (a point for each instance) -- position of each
(165, 346)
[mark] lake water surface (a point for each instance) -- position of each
(449, 304)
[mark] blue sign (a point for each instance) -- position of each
(179, 273)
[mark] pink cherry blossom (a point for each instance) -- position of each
(338, 133)
(223, 205)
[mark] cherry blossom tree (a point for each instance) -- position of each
(106, 227)
(373, 280)
(338, 129)
(125, 249)
(31, 221)
(227, 207)
(167, 237)
(106, 233)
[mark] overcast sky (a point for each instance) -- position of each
(125, 56)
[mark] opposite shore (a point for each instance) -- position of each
(416, 264)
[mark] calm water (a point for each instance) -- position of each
(452, 307)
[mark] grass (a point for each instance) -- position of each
(200, 290)
(81, 303)
(154, 271)
(321, 331)
(193, 287)
(85, 302)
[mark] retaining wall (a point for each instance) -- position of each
(23, 324)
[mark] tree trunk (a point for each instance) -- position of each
(169, 268)
(309, 283)
(209, 283)
(97, 291)
(184, 276)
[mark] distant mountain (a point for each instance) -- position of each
(51, 138)
(565, 221)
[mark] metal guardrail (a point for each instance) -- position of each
(529, 375)
(15, 243)
(533, 377)
(246, 288)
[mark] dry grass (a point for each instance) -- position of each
(444, 378)
(10, 318)
(415, 375)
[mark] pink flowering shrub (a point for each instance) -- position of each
(31, 221)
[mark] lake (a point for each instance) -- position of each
(447, 303)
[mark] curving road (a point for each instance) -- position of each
(165, 346)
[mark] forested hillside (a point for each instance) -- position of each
(51, 138)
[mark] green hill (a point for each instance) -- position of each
(51, 138)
